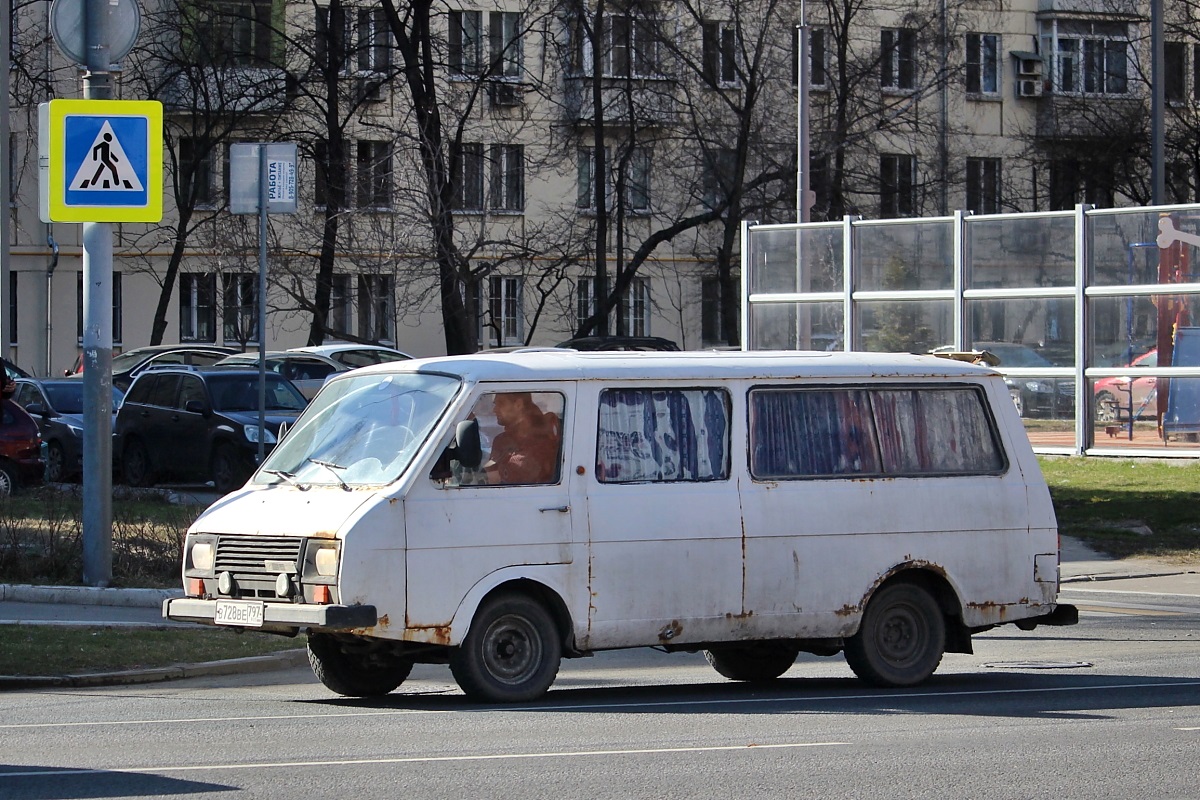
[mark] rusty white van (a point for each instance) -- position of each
(498, 513)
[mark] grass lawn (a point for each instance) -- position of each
(1128, 507)
(64, 650)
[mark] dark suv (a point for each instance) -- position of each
(198, 424)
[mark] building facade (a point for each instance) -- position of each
(484, 174)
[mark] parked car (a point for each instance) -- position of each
(619, 343)
(12, 371)
(21, 461)
(198, 423)
(126, 366)
(1033, 397)
(1126, 396)
(56, 405)
(307, 371)
(355, 355)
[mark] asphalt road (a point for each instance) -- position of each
(1106, 709)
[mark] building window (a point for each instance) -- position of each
(1196, 72)
(468, 177)
(637, 307)
(197, 310)
(586, 197)
(983, 185)
(332, 38)
(196, 163)
(466, 42)
(233, 33)
(339, 303)
(897, 58)
(117, 322)
(720, 167)
(240, 307)
(983, 63)
(376, 307)
(1089, 57)
(628, 48)
(374, 39)
(508, 177)
(504, 44)
(713, 332)
(818, 58)
(637, 181)
(720, 53)
(1073, 181)
(503, 324)
(374, 163)
(896, 185)
(321, 173)
(1179, 180)
(1174, 71)
(585, 299)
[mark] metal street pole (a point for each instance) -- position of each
(5, 177)
(262, 301)
(1157, 103)
(97, 336)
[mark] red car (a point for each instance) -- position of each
(21, 461)
(1118, 398)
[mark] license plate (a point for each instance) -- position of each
(239, 612)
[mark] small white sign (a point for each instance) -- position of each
(246, 169)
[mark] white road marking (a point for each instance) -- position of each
(733, 701)
(67, 772)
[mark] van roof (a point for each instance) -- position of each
(559, 364)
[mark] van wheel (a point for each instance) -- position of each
(355, 669)
(511, 653)
(756, 663)
(901, 639)
(227, 470)
(135, 464)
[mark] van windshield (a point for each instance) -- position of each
(360, 431)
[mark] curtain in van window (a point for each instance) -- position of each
(938, 431)
(818, 432)
(662, 435)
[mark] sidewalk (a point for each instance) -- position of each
(82, 605)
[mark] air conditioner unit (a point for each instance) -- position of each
(368, 90)
(504, 94)
(1029, 67)
(1029, 87)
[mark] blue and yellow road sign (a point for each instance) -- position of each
(101, 160)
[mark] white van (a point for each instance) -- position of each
(501, 512)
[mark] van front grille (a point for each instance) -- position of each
(246, 557)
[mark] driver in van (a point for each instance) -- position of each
(526, 451)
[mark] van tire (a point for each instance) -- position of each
(901, 639)
(365, 673)
(757, 662)
(511, 653)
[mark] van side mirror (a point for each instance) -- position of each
(467, 448)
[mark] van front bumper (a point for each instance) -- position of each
(277, 616)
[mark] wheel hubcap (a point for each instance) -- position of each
(901, 636)
(512, 650)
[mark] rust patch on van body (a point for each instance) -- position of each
(431, 634)
(670, 631)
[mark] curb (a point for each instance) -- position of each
(87, 595)
(234, 666)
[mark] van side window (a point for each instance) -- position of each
(522, 441)
(650, 435)
(902, 431)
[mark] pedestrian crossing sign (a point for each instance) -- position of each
(101, 160)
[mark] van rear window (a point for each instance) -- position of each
(659, 435)
(893, 431)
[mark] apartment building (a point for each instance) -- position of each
(484, 174)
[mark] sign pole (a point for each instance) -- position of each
(97, 337)
(262, 301)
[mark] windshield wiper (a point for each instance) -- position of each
(289, 477)
(334, 468)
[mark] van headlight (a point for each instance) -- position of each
(251, 434)
(325, 560)
(201, 554)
